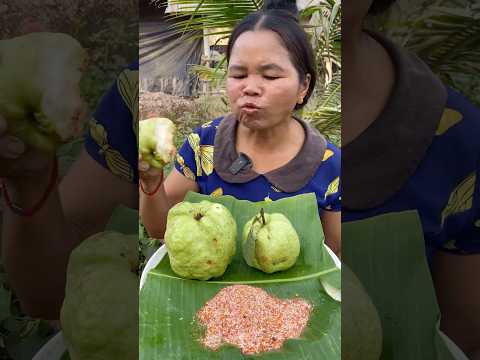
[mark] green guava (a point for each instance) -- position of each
(270, 242)
(99, 315)
(200, 239)
(361, 327)
(156, 141)
(39, 88)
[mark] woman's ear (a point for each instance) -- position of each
(304, 86)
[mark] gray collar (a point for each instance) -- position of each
(291, 177)
(378, 163)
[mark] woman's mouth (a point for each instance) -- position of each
(250, 108)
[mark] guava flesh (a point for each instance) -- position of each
(201, 239)
(156, 145)
(39, 88)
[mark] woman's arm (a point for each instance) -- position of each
(332, 229)
(456, 283)
(35, 249)
(154, 209)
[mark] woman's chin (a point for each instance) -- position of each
(252, 122)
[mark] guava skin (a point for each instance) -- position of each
(40, 97)
(156, 141)
(200, 239)
(277, 243)
(99, 316)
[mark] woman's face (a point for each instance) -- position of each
(263, 85)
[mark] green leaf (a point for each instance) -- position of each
(168, 303)
(332, 283)
(387, 254)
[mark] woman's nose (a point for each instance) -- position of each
(251, 87)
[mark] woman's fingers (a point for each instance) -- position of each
(11, 147)
(148, 172)
(143, 166)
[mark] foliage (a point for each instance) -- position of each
(444, 33)
(324, 109)
(325, 113)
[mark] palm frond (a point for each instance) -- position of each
(444, 33)
(211, 14)
(326, 112)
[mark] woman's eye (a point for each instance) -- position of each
(271, 77)
(238, 76)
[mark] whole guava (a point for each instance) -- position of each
(200, 239)
(362, 334)
(99, 315)
(270, 242)
(156, 141)
(40, 97)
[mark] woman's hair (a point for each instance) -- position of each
(281, 17)
(379, 6)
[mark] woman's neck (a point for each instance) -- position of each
(287, 133)
(368, 77)
(273, 148)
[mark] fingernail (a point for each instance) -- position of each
(15, 146)
(143, 166)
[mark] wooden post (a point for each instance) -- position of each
(206, 54)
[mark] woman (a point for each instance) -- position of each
(259, 150)
(410, 143)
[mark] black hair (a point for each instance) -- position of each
(380, 6)
(281, 17)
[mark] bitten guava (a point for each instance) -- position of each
(362, 333)
(99, 315)
(200, 239)
(39, 88)
(156, 141)
(270, 242)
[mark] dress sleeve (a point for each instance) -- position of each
(333, 194)
(333, 199)
(467, 240)
(111, 136)
(186, 158)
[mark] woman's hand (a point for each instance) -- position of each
(21, 166)
(150, 177)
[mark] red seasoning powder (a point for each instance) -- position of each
(251, 319)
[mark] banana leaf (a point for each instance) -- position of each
(387, 254)
(169, 303)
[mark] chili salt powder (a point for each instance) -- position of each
(251, 319)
